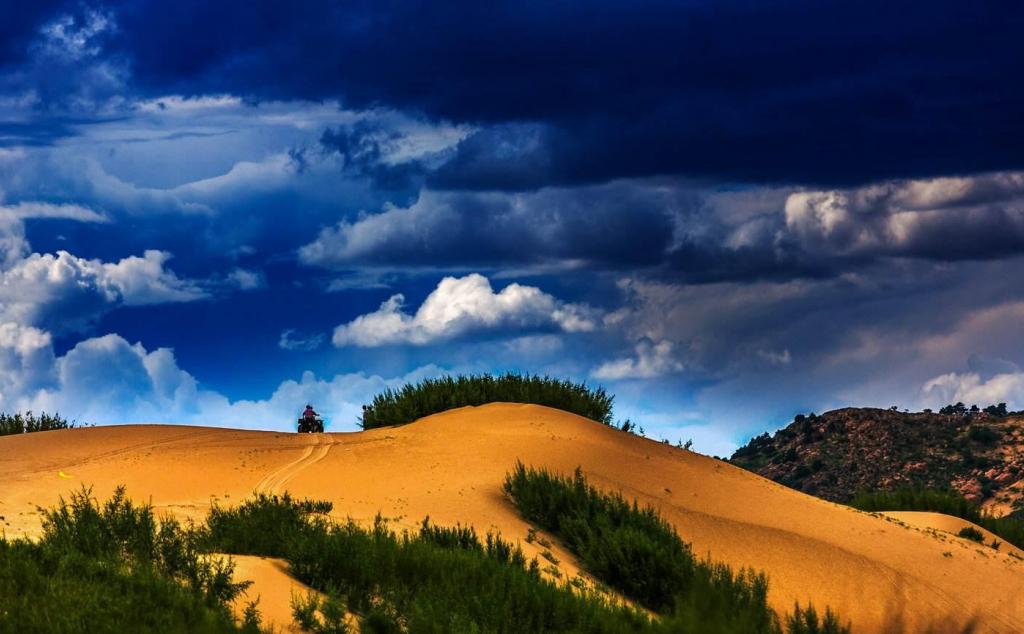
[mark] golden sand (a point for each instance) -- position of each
(874, 570)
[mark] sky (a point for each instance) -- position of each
(726, 213)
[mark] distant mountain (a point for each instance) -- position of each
(979, 453)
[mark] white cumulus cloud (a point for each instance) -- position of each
(460, 305)
(145, 280)
(649, 361)
(26, 362)
(44, 289)
(107, 380)
(974, 389)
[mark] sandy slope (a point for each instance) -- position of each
(272, 588)
(874, 570)
(949, 524)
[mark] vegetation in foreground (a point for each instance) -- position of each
(114, 568)
(28, 422)
(938, 501)
(637, 552)
(430, 396)
(434, 580)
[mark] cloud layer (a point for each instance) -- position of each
(889, 91)
(676, 228)
(728, 212)
(603, 226)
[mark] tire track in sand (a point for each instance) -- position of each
(273, 482)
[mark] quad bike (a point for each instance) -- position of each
(311, 425)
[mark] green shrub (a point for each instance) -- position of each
(971, 533)
(113, 568)
(320, 616)
(806, 621)
(252, 621)
(304, 610)
(262, 525)
(983, 434)
(632, 550)
(19, 423)
(450, 537)
(637, 552)
(380, 620)
(412, 402)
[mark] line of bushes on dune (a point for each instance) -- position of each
(939, 501)
(28, 422)
(638, 553)
(448, 579)
(114, 568)
(436, 579)
(430, 396)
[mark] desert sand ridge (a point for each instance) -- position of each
(951, 525)
(873, 570)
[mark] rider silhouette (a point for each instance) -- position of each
(310, 421)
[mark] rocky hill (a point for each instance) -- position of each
(979, 453)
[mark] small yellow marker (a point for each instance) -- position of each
(64, 475)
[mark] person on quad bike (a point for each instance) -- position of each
(310, 422)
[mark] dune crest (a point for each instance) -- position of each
(450, 466)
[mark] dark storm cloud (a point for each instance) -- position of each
(674, 230)
(706, 262)
(609, 226)
(508, 157)
(21, 21)
(363, 147)
(823, 93)
(809, 92)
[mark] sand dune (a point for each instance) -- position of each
(952, 525)
(873, 570)
(272, 588)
